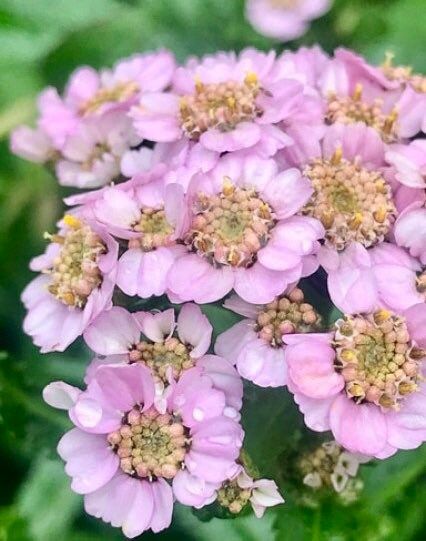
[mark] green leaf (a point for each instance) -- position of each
(239, 529)
(46, 501)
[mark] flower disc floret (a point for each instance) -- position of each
(353, 203)
(352, 108)
(149, 444)
(219, 105)
(287, 314)
(75, 272)
(229, 228)
(377, 359)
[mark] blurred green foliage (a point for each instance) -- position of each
(41, 42)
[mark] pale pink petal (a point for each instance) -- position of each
(191, 490)
(156, 326)
(287, 193)
(89, 460)
(195, 329)
(112, 332)
(311, 369)
(360, 428)
(60, 395)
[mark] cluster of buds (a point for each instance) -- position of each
(164, 359)
(286, 314)
(154, 228)
(149, 444)
(331, 467)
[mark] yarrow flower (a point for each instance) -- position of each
(225, 102)
(236, 493)
(256, 345)
(284, 19)
(76, 283)
(168, 347)
(330, 466)
(86, 133)
(242, 233)
(234, 174)
(131, 461)
(148, 215)
(366, 383)
(357, 92)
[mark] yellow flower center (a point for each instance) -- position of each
(231, 227)
(221, 106)
(377, 358)
(150, 444)
(75, 272)
(118, 93)
(353, 203)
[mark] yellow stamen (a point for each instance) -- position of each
(251, 78)
(72, 221)
(337, 156)
(357, 95)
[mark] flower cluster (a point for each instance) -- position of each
(228, 180)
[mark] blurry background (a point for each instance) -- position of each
(41, 42)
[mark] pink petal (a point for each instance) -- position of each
(193, 491)
(112, 332)
(361, 428)
(194, 328)
(156, 326)
(287, 193)
(60, 395)
(89, 460)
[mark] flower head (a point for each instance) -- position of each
(256, 345)
(168, 347)
(236, 493)
(148, 215)
(366, 385)
(77, 281)
(242, 233)
(226, 102)
(130, 461)
(284, 19)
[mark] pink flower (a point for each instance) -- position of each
(148, 215)
(76, 284)
(410, 163)
(91, 156)
(361, 280)
(169, 348)
(352, 195)
(255, 345)
(243, 233)
(226, 102)
(130, 461)
(410, 230)
(32, 144)
(91, 94)
(366, 385)
(356, 92)
(284, 19)
(241, 489)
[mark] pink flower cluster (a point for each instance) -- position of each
(228, 180)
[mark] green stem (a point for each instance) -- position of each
(316, 527)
